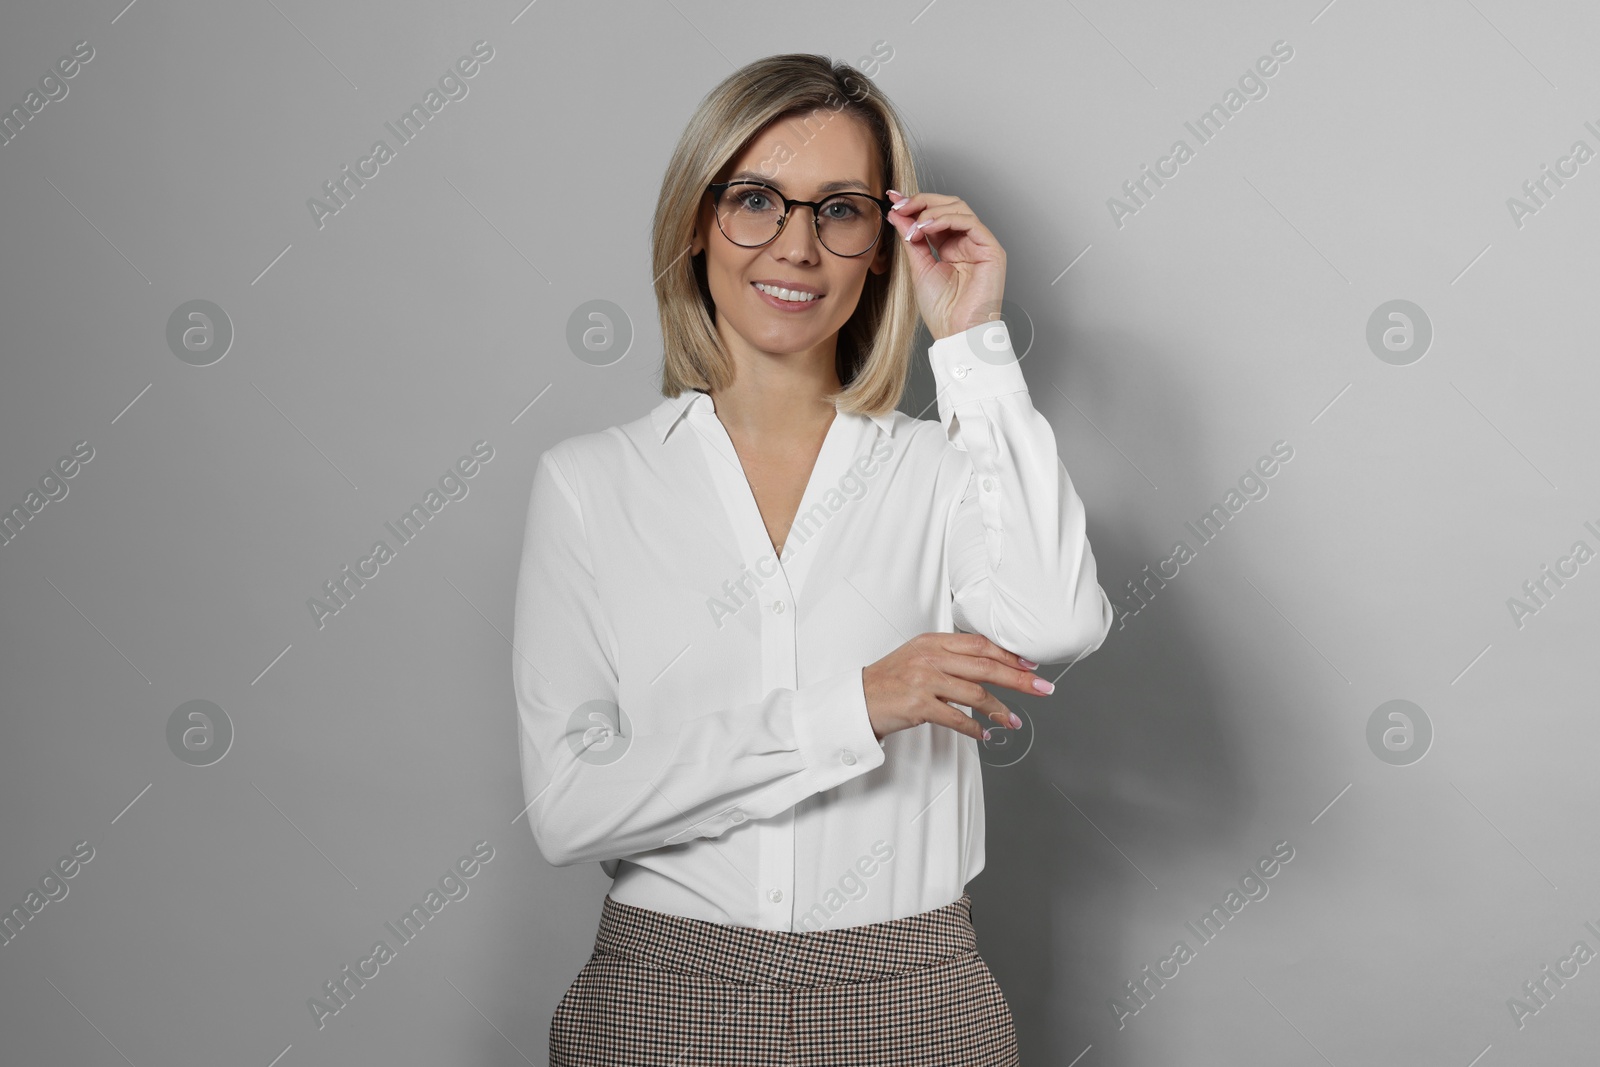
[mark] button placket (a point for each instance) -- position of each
(777, 617)
(775, 836)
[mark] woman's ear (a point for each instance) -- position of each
(883, 253)
(702, 219)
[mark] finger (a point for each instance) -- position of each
(959, 222)
(971, 644)
(947, 211)
(899, 222)
(982, 660)
(911, 209)
(943, 714)
(977, 669)
(914, 208)
(915, 212)
(910, 205)
(924, 228)
(998, 715)
(920, 251)
(947, 686)
(932, 207)
(980, 700)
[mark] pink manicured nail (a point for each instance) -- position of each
(1016, 723)
(1043, 686)
(1028, 663)
(986, 735)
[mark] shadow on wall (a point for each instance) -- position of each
(1134, 736)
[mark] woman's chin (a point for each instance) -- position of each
(781, 337)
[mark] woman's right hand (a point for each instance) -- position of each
(915, 683)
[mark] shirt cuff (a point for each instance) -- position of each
(833, 730)
(975, 364)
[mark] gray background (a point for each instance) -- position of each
(1229, 313)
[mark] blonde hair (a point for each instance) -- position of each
(874, 345)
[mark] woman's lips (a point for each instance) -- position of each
(787, 305)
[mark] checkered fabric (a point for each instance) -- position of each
(666, 991)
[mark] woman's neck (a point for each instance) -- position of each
(778, 398)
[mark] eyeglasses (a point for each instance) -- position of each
(847, 224)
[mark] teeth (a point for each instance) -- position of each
(786, 294)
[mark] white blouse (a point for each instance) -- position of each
(690, 706)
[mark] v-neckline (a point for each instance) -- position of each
(816, 461)
(745, 512)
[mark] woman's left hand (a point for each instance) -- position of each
(963, 287)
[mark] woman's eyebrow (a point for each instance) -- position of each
(825, 187)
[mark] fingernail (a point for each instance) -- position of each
(1028, 663)
(1016, 723)
(897, 193)
(986, 733)
(1043, 686)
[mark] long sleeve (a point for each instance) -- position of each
(1021, 569)
(599, 789)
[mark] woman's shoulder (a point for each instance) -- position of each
(924, 438)
(608, 446)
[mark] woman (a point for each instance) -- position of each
(738, 679)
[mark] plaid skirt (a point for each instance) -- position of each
(665, 991)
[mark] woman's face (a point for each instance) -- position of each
(800, 157)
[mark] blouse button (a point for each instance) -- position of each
(849, 759)
(777, 606)
(988, 485)
(736, 817)
(959, 370)
(774, 895)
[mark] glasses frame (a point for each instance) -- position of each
(884, 204)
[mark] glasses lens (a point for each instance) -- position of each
(750, 214)
(849, 223)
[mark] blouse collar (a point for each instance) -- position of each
(670, 411)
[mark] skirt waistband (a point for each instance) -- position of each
(746, 954)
